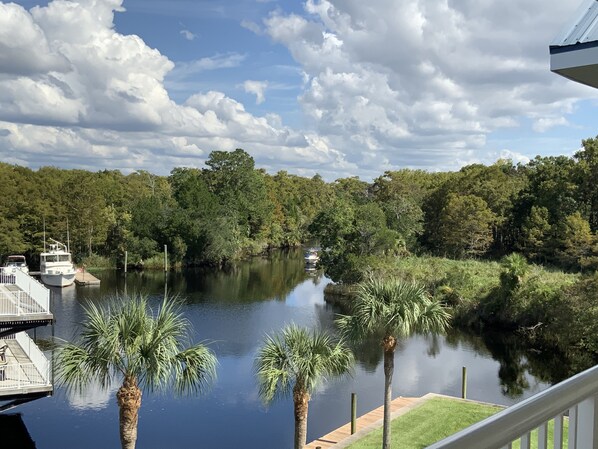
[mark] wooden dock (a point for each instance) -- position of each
(365, 423)
(85, 278)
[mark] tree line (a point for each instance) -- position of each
(546, 210)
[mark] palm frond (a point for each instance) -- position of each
(391, 308)
(127, 338)
(194, 370)
(299, 358)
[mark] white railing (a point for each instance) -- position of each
(21, 375)
(31, 298)
(35, 289)
(17, 376)
(35, 354)
(6, 278)
(577, 395)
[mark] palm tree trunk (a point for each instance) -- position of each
(300, 400)
(129, 402)
(389, 343)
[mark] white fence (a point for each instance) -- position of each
(31, 298)
(34, 354)
(36, 371)
(577, 396)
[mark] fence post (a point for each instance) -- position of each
(464, 383)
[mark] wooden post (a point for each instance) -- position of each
(353, 413)
(126, 257)
(464, 383)
(165, 258)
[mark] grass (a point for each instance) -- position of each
(434, 420)
(472, 278)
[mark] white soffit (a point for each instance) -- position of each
(574, 52)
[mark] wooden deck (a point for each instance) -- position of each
(85, 278)
(369, 420)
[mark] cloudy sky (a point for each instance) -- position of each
(336, 87)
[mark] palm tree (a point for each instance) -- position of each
(297, 360)
(127, 341)
(391, 310)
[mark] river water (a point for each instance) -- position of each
(232, 311)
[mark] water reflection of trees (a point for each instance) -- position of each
(257, 279)
(517, 359)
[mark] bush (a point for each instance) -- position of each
(96, 261)
(154, 263)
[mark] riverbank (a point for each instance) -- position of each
(549, 310)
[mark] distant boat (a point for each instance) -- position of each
(56, 267)
(311, 256)
(15, 262)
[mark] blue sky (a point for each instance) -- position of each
(336, 87)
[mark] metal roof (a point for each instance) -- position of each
(574, 52)
(582, 29)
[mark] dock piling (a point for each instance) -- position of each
(165, 258)
(353, 413)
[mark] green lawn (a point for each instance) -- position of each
(436, 419)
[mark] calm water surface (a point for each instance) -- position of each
(232, 311)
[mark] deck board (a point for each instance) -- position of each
(343, 432)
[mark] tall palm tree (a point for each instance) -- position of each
(390, 310)
(145, 350)
(296, 360)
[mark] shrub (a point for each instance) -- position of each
(95, 261)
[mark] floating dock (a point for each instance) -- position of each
(85, 278)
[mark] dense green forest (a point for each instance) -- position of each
(227, 211)
(546, 210)
(507, 246)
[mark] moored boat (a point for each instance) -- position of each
(15, 262)
(311, 256)
(56, 267)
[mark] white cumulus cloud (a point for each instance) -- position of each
(78, 93)
(386, 85)
(423, 84)
(256, 88)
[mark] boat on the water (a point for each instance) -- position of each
(56, 267)
(15, 262)
(311, 256)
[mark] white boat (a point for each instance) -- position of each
(15, 262)
(311, 257)
(56, 268)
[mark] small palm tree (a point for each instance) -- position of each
(297, 360)
(144, 350)
(391, 310)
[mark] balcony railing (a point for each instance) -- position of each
(24, 372)
(26, 296)
(577, 397)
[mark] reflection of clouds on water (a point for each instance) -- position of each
(305, 294)
(93, 397)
